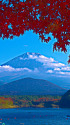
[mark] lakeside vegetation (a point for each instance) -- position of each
(39, 101)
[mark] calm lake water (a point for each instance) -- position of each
(34, 116)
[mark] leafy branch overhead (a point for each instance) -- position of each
(41, 16)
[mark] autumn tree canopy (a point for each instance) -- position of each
(41, 16)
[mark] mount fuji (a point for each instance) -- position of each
(37, 66)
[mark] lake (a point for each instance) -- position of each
(35, 116)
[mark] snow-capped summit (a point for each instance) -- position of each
(35, 65)
(28, 60)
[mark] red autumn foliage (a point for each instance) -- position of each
(3, 100)
(43, 99)
(41, 16)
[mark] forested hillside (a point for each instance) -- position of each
(29, 101)
(65, 100)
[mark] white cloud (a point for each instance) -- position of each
(40, 58)
(33, 57)
(58, 69)
(44, 59)
(22, 69)
(27, 69)
(11, 69)
(50, 71)
(61, 72)
(65, 73)
(57, 64)
(21, 58)
(47, 62)
(66, 68)
(52, 60)
(6, 68)
(54, 66)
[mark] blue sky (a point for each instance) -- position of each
(29, 42)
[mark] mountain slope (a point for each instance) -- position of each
(36, 66)
(30, 86)
(65, 100)
(24, 60)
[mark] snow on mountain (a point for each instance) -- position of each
(37, 66)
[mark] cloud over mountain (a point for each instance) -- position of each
(48, 65)
(34, 64)
(11, 69)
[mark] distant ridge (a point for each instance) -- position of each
(30, 86)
